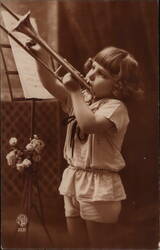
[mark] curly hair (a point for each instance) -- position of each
(123, 68)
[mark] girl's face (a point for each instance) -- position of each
(100, 80)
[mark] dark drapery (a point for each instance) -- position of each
(85, 27)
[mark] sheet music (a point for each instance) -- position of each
(26, 65)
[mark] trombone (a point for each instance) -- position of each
(24, 26)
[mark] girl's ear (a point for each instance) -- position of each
(88, 65)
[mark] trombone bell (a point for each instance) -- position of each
(24, 26)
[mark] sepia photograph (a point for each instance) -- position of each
(79, 124)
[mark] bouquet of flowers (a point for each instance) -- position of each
(24, 158)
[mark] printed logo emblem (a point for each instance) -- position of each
(22, 221)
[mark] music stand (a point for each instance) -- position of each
(33, 91)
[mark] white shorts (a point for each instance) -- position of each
(98, 211)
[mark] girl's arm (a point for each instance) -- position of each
(88, 122)
(53, 85)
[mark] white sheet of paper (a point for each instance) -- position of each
(26, 65)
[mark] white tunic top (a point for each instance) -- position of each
(95, 161)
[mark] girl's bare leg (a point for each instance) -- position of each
(77, 231)
(101, 234)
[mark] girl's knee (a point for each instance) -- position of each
(77, 232)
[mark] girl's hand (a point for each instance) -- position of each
(70, 83)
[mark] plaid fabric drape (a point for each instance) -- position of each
(16, 122)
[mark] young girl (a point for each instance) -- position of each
(91, 185)
(97, 124)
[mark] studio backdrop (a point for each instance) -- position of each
(78, 30)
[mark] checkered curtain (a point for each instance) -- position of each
(16, 122)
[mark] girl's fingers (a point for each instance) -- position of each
(70, 83)
(67, 78)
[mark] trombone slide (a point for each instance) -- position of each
(24, 26)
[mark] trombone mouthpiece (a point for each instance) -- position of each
(88, 82)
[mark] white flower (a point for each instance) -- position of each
(32, 151)
(26, 163)
(20, 166)
(13, 141)
(30, 147)
(37, 144)
(35, 137)
(11, 158)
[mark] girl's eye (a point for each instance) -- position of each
(102, 74)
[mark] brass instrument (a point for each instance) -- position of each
(24, 26)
